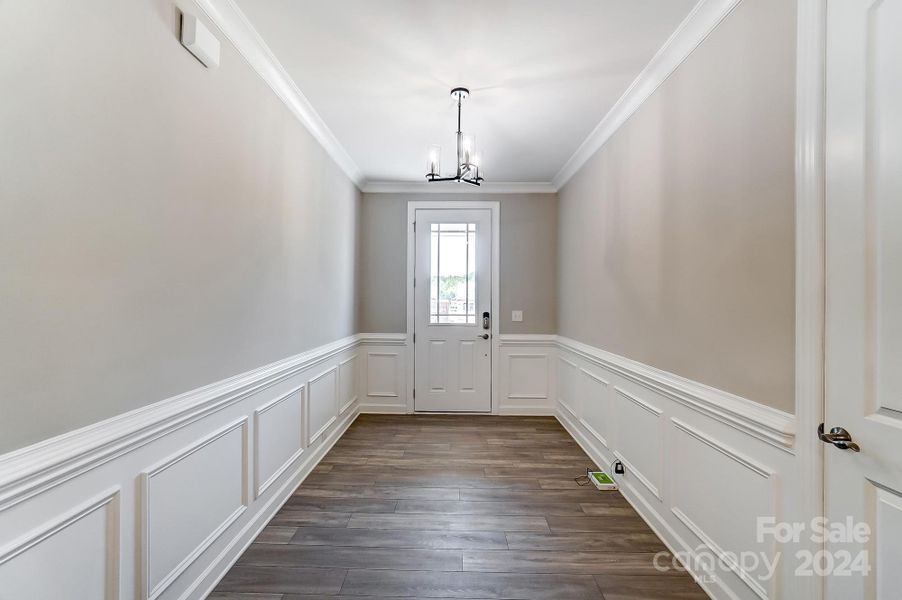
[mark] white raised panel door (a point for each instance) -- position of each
(452, 292)
(864, 294)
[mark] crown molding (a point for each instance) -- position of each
(233, 23)
(489, 187)
(705, 16)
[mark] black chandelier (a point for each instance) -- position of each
(468, 160)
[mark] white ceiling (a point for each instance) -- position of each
(542, 74)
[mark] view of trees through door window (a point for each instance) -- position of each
(452, 295)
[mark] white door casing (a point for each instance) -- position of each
(452, 294)
(864, 292)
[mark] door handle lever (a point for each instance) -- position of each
(839, 437)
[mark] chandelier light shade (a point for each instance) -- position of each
(469, 161)
(434, 162)
(468, 148)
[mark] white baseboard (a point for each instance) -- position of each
(106, 505)
(383, 409)
(526, 411)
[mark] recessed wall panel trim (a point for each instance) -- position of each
(155, 585)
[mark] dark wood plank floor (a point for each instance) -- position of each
(453, 507)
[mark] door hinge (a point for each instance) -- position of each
(414, 393)
(414, 338)
(414, 226)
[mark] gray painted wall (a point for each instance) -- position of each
(677, 237)
(528, 260)
(164, 225)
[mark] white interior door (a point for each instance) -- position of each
(864, 296)
(452, 310)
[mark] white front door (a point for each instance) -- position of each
(864, 297)
(452, 304)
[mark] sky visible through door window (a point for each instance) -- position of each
(452, 286)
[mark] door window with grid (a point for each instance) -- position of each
(452, 291)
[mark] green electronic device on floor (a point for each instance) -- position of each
(602, 480)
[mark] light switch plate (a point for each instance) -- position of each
(516, 316)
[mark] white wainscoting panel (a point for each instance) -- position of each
(385, 373)
(888, 545)
(527, 377)
(382, 374)
(567, 387)
(78, 551)
(596, 407)
(526, 374)
(159, 502)
(348, 383)
(701, 464)
(642, 448)
(322, 403)
(278, 438)
(189, 500)
(706, 505)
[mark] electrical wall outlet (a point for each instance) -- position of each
(516, 316)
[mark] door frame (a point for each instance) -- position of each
(810, 271)
(495, 208)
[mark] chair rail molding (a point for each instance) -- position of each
(771, 425)
(527, 339)
(381, 354)
(242, 441)
(36, 468)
